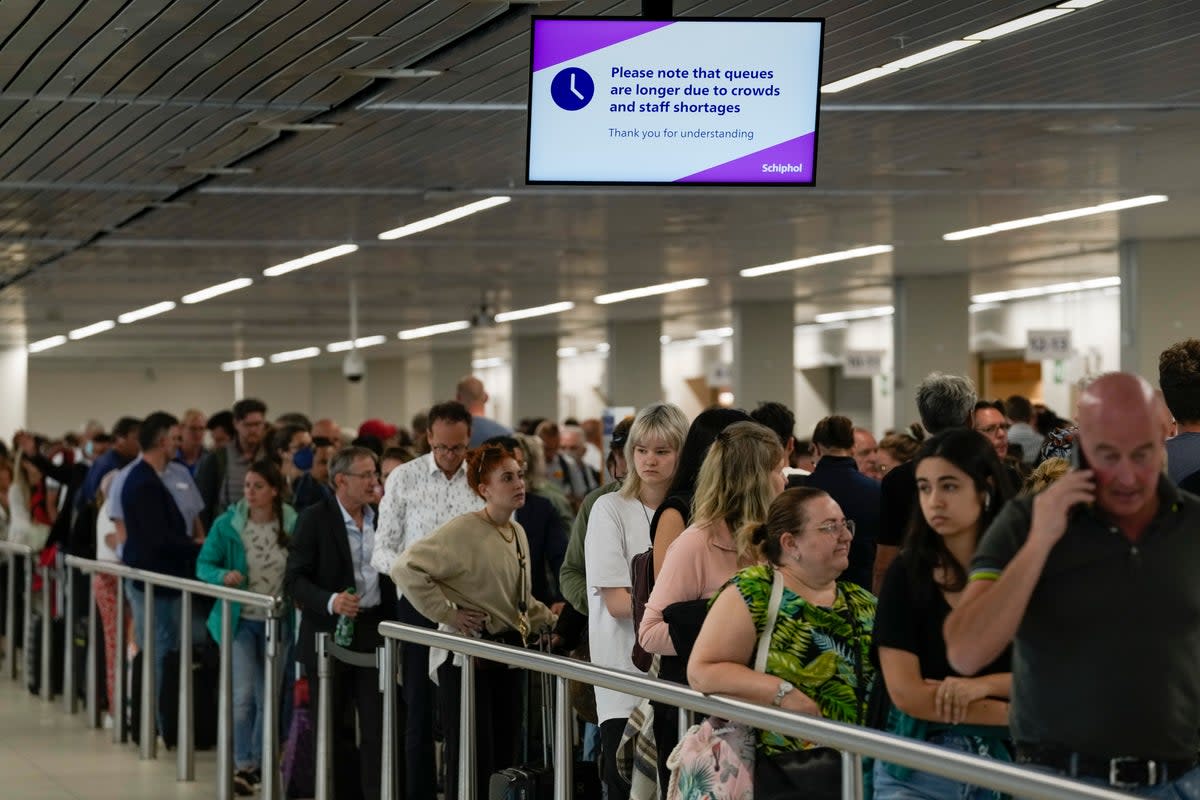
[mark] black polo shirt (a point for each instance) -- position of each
(1106, 661)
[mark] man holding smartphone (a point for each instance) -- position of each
(1093, 582)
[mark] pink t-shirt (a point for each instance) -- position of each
(698, 564)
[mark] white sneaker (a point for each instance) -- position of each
(108, 721)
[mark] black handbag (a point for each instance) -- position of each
(812, 774)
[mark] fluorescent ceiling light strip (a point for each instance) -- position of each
(1042, 291)
(568, 352)
(245, 363)
(715, 333)
(359, 343)
(862, 313)
(858, 79)
(1075, 4)
(1055, 216)
(92, 330)
(536, 311)
(930, 54)
(45, 344)
(294, 355)
(1018, 24)
(217, 290)
(650, 291)
(148, 311)
(309, 260)
(434, 330)
(827, 258)
(486, 363)
(445, 217)
(603, 347)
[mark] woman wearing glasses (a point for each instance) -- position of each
(818, 658)
(472, 575)
(961, 486)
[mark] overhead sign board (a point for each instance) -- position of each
(1049, 345)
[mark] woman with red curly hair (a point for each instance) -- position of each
(473, 576)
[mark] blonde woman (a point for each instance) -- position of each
(618, 529)
(740, 476)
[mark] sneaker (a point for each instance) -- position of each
(241, 784)
(255, 776)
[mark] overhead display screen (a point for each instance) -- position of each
(620, 100)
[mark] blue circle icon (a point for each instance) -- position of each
(572, 89)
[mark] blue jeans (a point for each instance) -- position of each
(166, 633)
(1185, 787)
(927, 786)
(249, 656)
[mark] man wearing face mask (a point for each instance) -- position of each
(292, 445)
(312, 485)
(419, 497)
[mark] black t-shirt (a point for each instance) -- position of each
(910, 617)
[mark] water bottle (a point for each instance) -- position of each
(343, 634)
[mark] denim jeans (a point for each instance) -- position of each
(1185, 787)
(927, 786)
(249, 655)
(166, 633)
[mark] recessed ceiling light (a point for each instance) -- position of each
(359, 343)
(810, 261)
(148, 311)
(862, 313)
(309, 260)
(650, 291)
(92, 330)
(568, 352)
(486, 363)
(1043, 291)
(445, 217)
(294, 355)
(1055, 216)
(536, 311)
(46, 344)
(715, 333)
(434, 330)
(245, 363)
(602, 347)
(217, 290)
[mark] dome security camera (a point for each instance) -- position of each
(354, 367)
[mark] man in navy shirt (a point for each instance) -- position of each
(157, 538)
(124, 449)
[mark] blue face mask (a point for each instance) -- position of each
(89, 448)
(303, 459)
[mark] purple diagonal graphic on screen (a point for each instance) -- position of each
(786, 162)
(578, 38)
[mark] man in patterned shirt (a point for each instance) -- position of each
(419, 497)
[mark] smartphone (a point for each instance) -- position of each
(1078, 458)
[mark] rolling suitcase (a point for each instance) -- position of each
(529, 781)
(205, 687)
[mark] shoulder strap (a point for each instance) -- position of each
(764, 638)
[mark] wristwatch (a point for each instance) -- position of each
(784, 688)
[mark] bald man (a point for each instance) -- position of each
(1093, 584)
(470, 393)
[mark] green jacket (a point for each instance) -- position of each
(572, 577)
(223, 551)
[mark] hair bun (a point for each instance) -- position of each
(760, 534)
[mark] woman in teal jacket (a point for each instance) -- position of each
(247, 549)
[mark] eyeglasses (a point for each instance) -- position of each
(442, 449)
(990, 429)
(835, 528)
(364, 475)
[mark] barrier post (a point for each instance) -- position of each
(148, 744)
(120, 729)
(70, 703)
(852, 776)
(28, 633)
(564, 760)
(225, 707)
(387, 685)
(466, 730)
(10, 615)
(185, 755)
(93, 652)
(270, 744)
(47, 632)
(324, 771)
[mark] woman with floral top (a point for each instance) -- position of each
(818, 660)
(247, 549)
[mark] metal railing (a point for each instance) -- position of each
(185, 745)
(12, 551)
(855, 742)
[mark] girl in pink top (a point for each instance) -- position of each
(741, 475)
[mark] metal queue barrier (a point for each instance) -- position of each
(185, 746)
(13, 551)
(855, 742)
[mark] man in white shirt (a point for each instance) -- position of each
(419, 497)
